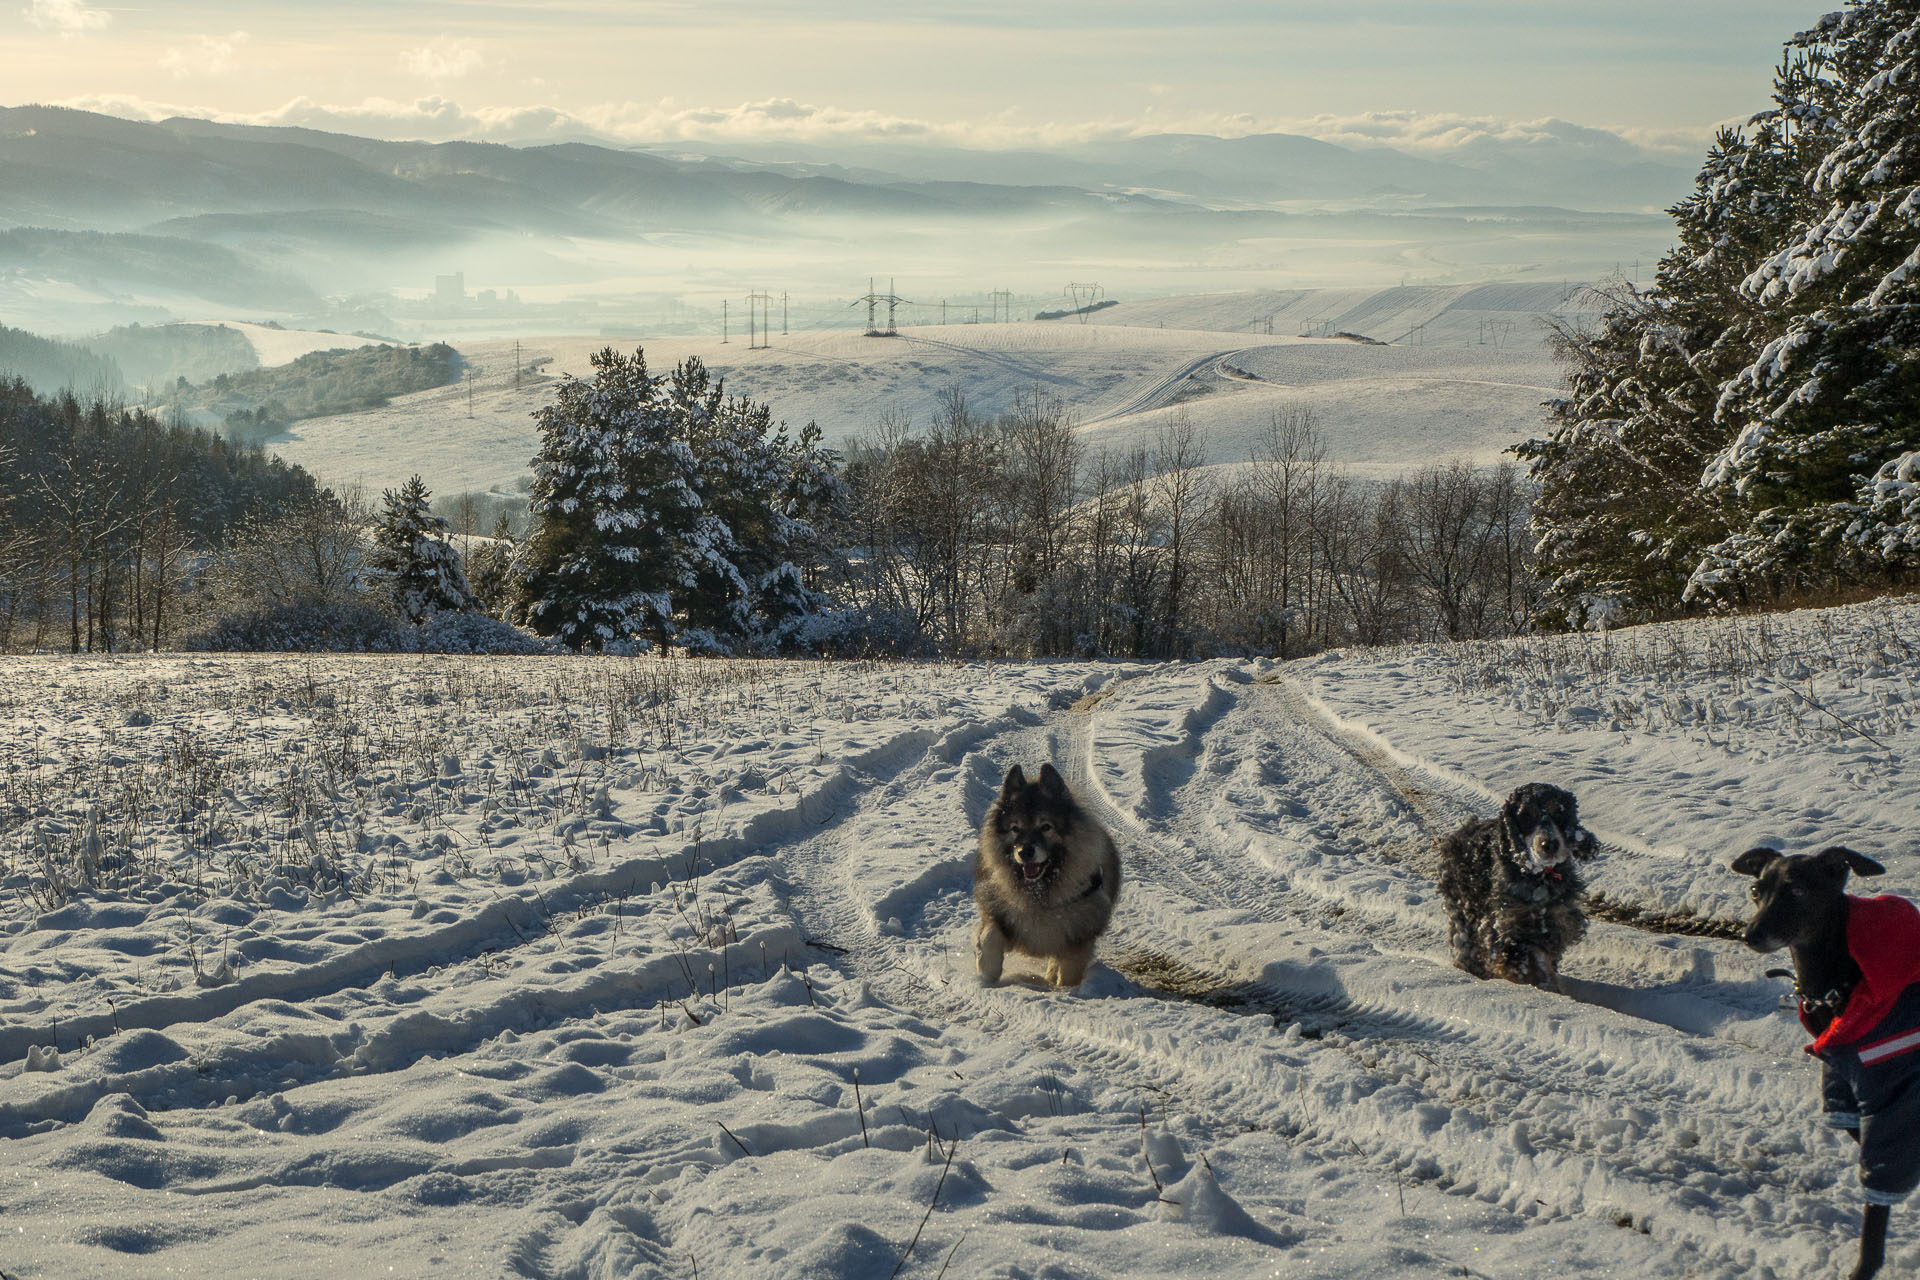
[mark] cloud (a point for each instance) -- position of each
(210, 56)
(443, 60)
(68, 17)
(1462, 137)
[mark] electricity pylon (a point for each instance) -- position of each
(872, 300)
(1084, 296)
(765, 301)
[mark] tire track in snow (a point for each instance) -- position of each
(492, 934)
(1614, 963)
(1416, 780)
(1163, 392)
(1527, 1056)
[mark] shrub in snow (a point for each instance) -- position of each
(349, 627)
(494, 569)
(311, 552)
(476, 633)
(362, 627)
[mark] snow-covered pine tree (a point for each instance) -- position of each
(1889, 525)
(493, 570)
(1624, 524)
(613, 504)
(1620, 520)
(418, 566)
(1832, 399)
(759, 492)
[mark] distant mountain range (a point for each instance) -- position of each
(1568, 167)
(72, 170)
(109, 221)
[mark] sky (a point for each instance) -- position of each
(1428, 75)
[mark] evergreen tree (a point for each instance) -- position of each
(760, 492)
(493, 569)
(665, 510)
(1722, 431)
(1833, 396)
(421, 570)
(1621, 520)
(612, 506)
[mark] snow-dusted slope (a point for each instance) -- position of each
(571, 967)
(1464, 376)
(277, 346)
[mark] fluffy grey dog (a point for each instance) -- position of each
(1515, 901)
(1045, 879)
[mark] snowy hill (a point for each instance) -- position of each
(1464, 376)
(608, 967)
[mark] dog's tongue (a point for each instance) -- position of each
(1032, 870)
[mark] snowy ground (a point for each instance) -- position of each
(595, 968)
(276, 346)
(1463, 376)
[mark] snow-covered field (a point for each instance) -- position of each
(598, 968)
(277, 346)
(1463, 376)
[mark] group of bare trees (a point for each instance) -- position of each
(1008, 536)
(103, 511)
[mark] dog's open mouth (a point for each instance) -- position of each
(1031, 871)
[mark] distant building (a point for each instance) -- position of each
(450, 291)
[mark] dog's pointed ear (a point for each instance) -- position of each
(1015, 783)
(1842, 860)
(1754, 861)
(1051, 783)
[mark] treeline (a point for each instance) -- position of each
(1007, 536)
(1748, 429)
(104, 511)
(259, 403)
(665, 513)
(149, 355)
(50, 366)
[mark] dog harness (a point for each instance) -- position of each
(1870, 1054)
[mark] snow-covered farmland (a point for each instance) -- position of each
(277, 346)
(578, 967)
(1461, 373)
